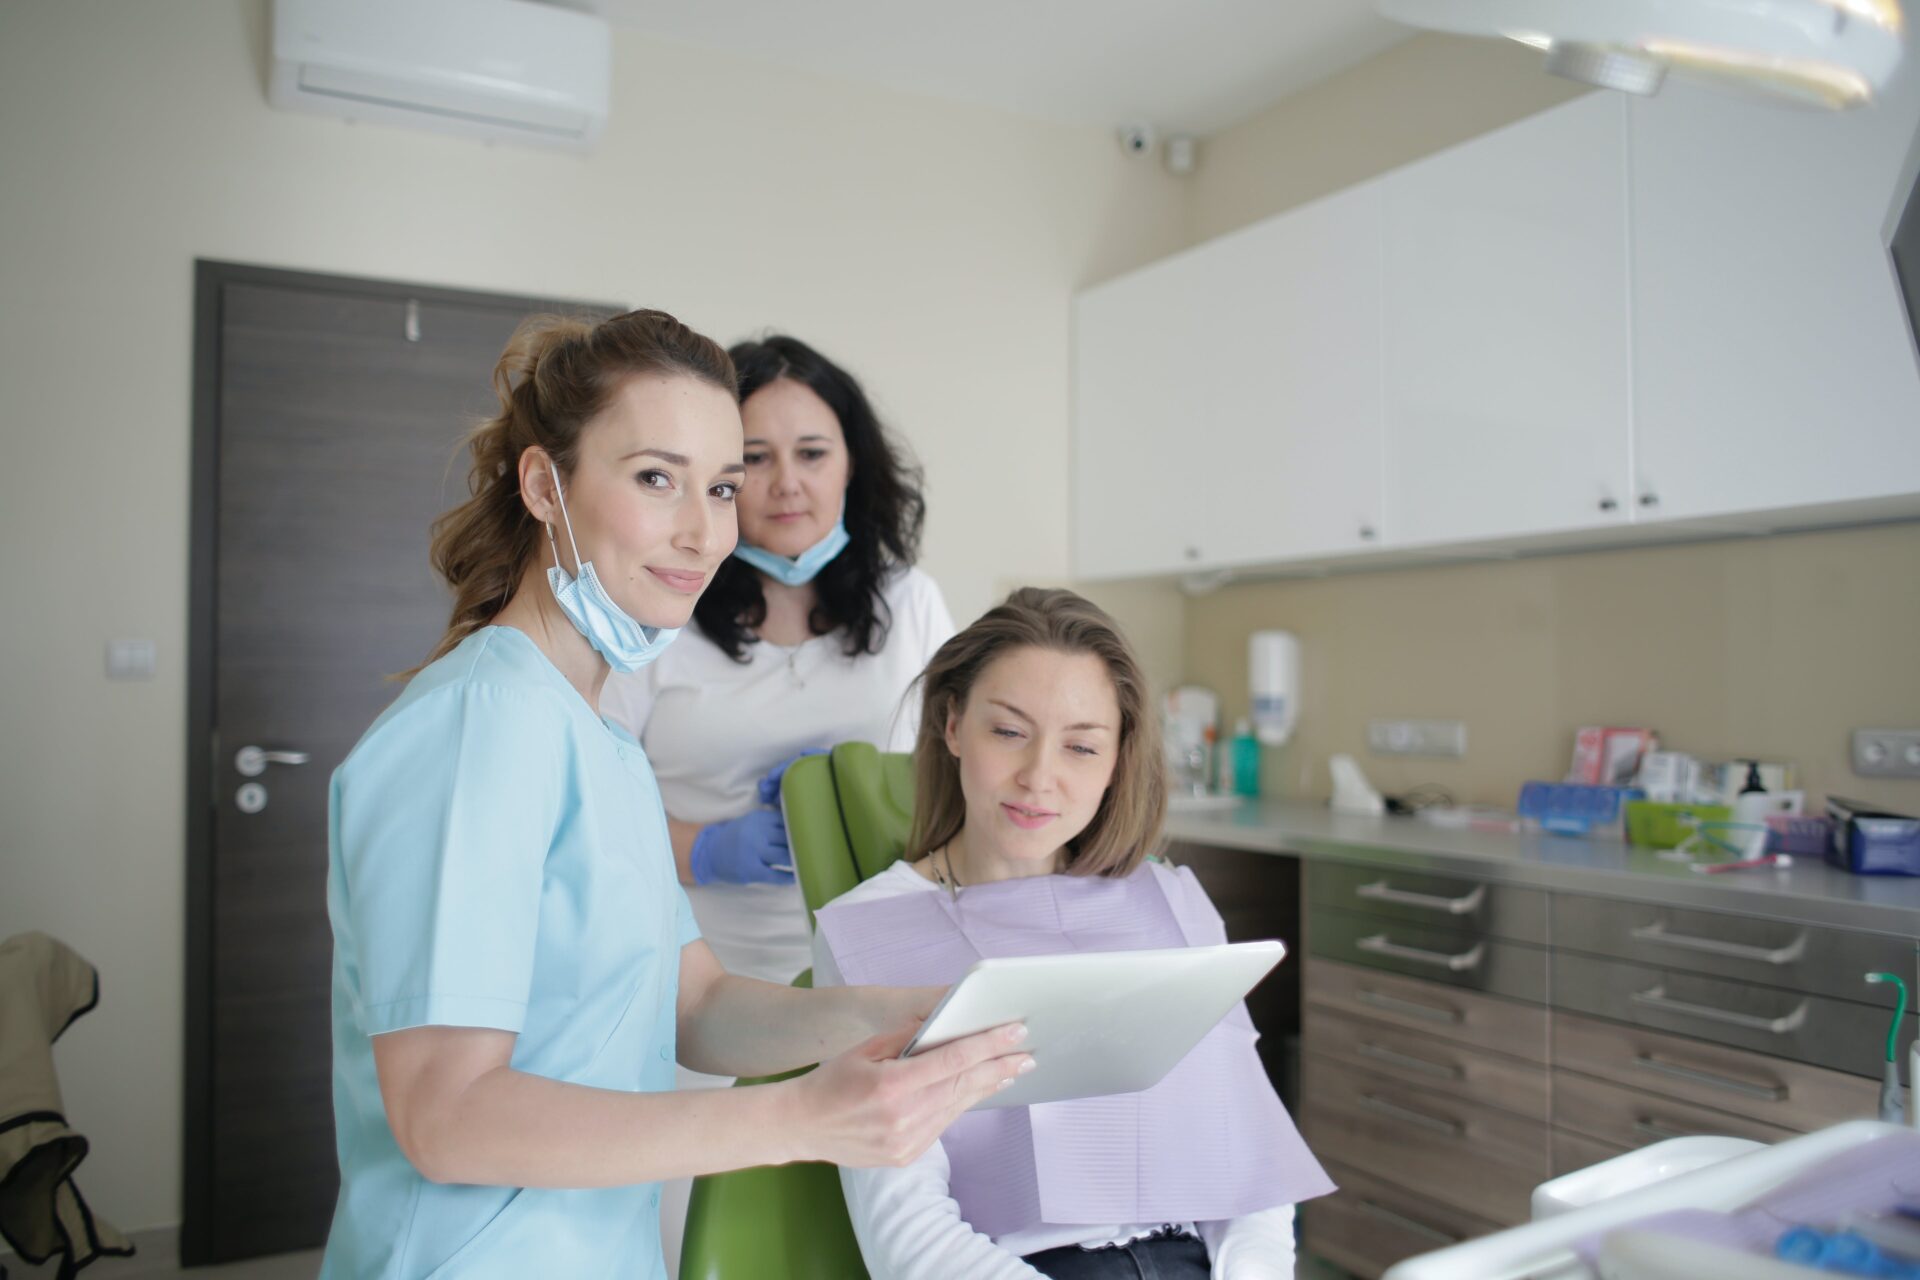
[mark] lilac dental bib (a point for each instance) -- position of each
(1210, 1141)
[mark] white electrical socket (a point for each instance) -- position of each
(1886, 753)
(1417, 737)
(130, 660)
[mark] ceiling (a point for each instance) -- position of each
(1191, 66)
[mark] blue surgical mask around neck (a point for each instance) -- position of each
(799, 570)
(614, 635)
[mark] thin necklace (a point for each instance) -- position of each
(949, 879)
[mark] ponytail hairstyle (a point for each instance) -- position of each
(883, 515)
(1126, 828)
(555, 375)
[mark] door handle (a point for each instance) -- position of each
(251, 762)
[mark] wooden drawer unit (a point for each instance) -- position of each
(1796, 957)
(1775, 1091)
(1453, 954)
(1419, 897)
(1473, 1158)
(1629, 1118)
(1425, 1061)
(1838, 1034)
(1467, 1017)
(1573, 1152)
(1368, 1225)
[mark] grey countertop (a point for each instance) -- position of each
(1808, 892)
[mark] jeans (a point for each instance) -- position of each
(1160, 1256)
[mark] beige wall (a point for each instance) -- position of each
(1423, 95)
(932, 248)
(1773, 647)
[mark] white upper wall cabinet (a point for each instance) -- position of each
(1289, 372)
(1136, 420)
(1506, 331)
(1772, 364)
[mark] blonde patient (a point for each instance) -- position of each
(1039, 798)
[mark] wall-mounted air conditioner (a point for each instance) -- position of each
(504, 70)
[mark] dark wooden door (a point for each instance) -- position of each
(329, 419)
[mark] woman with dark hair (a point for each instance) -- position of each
(809, 635)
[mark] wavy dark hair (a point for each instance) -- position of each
(885, 510)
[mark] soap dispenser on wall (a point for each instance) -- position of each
(1273, 685)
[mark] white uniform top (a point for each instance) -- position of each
(712, 727)
(909, 1225)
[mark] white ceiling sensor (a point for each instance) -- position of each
(1822, 53)
(501, 70)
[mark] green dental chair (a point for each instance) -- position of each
(847, 817)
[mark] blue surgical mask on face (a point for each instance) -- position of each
(624, 643)
(799, 570)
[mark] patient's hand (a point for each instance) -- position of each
(871, 1107)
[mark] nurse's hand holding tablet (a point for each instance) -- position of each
(516, 969)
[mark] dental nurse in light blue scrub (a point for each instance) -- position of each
(516, 970)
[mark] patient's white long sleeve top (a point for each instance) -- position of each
(909, 1225)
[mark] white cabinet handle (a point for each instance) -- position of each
(1656, 931)
(1379, 945)
(1383, 891)
(1656, 998)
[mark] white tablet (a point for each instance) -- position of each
(1099, 1022)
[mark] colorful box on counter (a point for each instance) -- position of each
(1572, 809)
(1664, 825)
(1870, 841)
(1605, 757)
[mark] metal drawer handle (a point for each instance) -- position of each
(1648, 1127)
(1693, 1075)
(1458, 962)
(1373, 1102)
(1655, 997)
(1657, 932)
(1394, 1058)
(1412, 1008)
(1395, 1218)
(1381, 891)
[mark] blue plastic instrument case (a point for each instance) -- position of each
(1869, 841)
(1576, 808)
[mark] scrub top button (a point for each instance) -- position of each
(664, 1055)
(653, 1198)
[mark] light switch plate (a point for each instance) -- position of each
(1417, 737)
(1886, 753)
(130, 659)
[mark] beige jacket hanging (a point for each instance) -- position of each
(44, 986)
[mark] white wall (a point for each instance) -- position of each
(931, 248)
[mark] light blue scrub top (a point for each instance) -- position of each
(498, 858)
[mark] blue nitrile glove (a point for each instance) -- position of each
(749, 849)
(770, 785)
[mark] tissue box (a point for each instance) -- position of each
(1873, 842)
